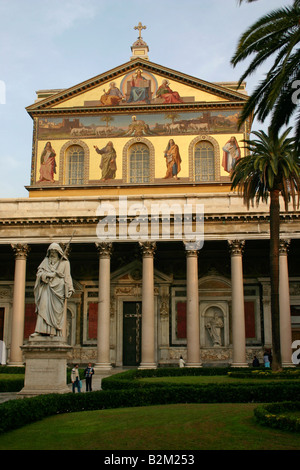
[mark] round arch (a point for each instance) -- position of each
(130, 143)
(216, 148)
(62, 160)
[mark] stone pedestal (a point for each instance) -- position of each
(45, 366)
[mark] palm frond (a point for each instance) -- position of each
(270, 165)
(275, 35)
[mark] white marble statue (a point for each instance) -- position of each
(214, 326)
(53, 285)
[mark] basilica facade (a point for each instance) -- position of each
(130, 173)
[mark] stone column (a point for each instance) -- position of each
(18, 316)
(148, 319)
(103, 329)
(238, 309)
(192, 310)
(284, 306)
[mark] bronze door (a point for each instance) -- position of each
(132, 317)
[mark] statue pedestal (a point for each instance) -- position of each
(45, 366)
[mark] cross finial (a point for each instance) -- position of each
(140, 27)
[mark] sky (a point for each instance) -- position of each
(54, 44)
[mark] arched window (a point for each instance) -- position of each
(139, 164)
(204, 161)
(75, 165)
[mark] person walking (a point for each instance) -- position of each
(181, 362)
(88, 373)
(266, 359)
(255, 362)
(75, 378)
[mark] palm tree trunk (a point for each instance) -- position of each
(274, 275)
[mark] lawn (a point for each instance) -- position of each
(167, 427)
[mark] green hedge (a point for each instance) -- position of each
(11, 379)
(122, 390)
(17, 413)
(11, 384)
(129, 379)
(12, 370)
(15, 384)
(272, 415)
(266, 374)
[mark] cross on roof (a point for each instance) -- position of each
(140, 27)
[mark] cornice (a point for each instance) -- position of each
(92, 220)
(143, 108)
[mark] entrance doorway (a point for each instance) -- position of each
(132, 319)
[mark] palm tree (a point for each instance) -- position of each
(172, 116)
(107, 119)
(275, 36)
(270, 170)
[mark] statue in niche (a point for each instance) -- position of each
(53, 285)
(214, 325)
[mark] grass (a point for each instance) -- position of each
(5, 377)
(168, 427)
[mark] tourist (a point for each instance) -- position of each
(266, 359)
(88, 374)
(181, 362)
(255, 362)
(75, 378)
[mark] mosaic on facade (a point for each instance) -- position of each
(120, 125)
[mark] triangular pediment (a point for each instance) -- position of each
(132, 273)
(137, 83)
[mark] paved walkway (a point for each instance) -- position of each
(96, 385)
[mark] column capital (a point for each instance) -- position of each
(192, 248)
(284, 246)
(148, 248)
(192, 253)
(236, 247)
(104, 249)
(21, 251)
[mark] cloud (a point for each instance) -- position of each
(63, 16)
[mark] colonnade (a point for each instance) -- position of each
(148, 360)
